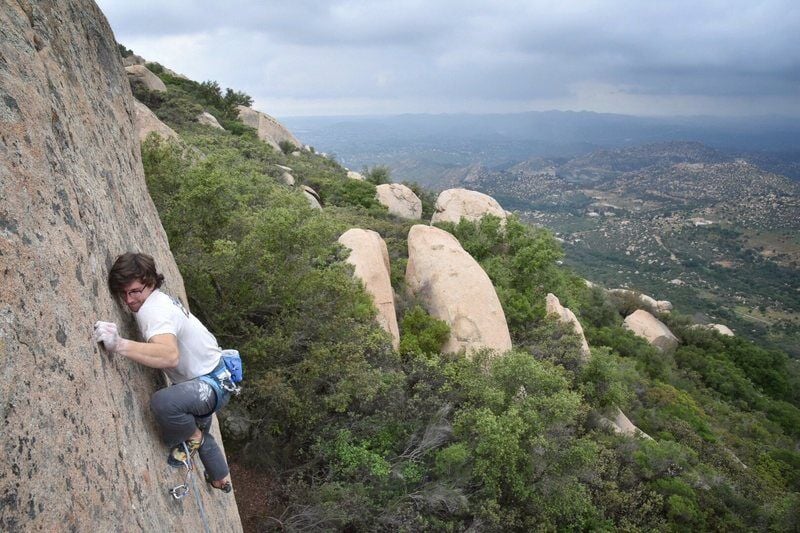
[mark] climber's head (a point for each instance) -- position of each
(133, 277)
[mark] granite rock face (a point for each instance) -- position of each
(454, 288)
(370, 258)
(267, 128)
(79, 445)
(399, 200)
(454, 204)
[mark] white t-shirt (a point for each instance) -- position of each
(199, 351)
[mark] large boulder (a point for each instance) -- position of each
(141, 74)
(399, 200)
(133, 59)
(313, 197)
(622, 425)
(146, 122)
(565, 316)
(454, 204)
(454, 288)
(370, 258)
(645, 325)
(80, 451)
(353, 175)
(207, 119)
(722, 329)
(648, 302)
(267, 128)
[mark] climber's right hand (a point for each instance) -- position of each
(107, 334)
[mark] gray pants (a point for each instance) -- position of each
(180, 410)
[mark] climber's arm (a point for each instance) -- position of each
(161, 351)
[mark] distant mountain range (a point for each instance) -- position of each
(422, 147)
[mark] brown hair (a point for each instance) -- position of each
(131, 267)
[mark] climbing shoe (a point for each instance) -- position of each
(226, 488)
(181, 454)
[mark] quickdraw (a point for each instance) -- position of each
(179, 492)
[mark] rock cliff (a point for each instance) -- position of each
(79, 447)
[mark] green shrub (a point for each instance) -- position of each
(287, 147)
(421, 333)
(378, 175)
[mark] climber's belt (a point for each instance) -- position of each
(219, 379)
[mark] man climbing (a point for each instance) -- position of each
(180, 345)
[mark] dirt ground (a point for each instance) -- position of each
(254, 499)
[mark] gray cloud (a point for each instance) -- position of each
(404, 56)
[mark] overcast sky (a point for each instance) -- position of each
(641, 57)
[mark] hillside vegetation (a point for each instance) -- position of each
(351, 435)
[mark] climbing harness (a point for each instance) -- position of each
(181, 491)
(225, 377)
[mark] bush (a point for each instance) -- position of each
(378, 175)
(421, 333)
(287, 147)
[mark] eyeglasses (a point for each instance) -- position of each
(133, 293)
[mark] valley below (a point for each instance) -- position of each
(714, 234)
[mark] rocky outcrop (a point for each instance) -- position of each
(454, 288)
(313, 197)
(288, 179)
(79, 446)
(207, 119)
(622, 425)
(133, 59)
(565, 316)
(146, 122)
(370, 258)
(722, 329)
(454, 204)
(648, 302)
(353, 175)
(399, 200)
(645, 325)
(267, 128)
(141, 74)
